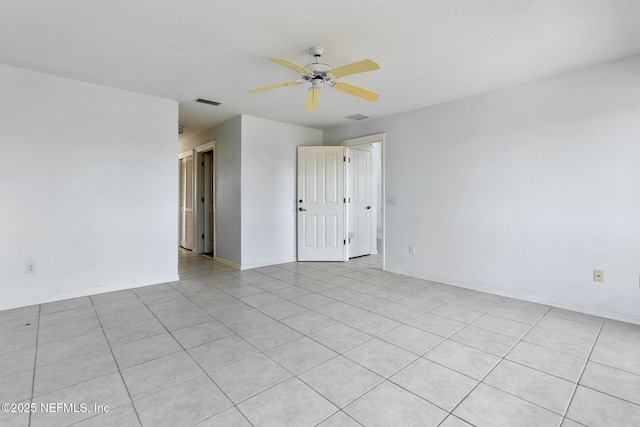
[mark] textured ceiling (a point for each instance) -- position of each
(429, 51)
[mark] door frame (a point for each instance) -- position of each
(198, 209)
(208, 182)
(379, 137)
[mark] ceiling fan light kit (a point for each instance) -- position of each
(318, 74)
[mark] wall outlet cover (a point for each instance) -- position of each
(598, 276)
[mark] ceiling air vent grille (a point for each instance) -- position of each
(206, 101)
(357, 117)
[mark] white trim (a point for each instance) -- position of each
(91, 291)
(629, 318)
(267, 263)
(185, 154)
(206, 147)
(198, 183)
(227, 262)
(197, 244)
(379, 137)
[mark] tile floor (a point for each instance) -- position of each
(314, 344)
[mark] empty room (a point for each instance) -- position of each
(355, 213)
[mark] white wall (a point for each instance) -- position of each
(523, 191)
(228, 191)
(269, 169)
(88, 188)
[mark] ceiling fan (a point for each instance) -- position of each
(319, 74)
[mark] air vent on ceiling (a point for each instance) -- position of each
(357, 117)
(206, 101)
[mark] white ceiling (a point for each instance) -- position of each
(430, 51)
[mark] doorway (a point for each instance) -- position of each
(325, 227)
(196, 225)
(207, 199)
(362, 232)
(365, 195)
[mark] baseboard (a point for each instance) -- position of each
(254, 265)
(227, 262)
(89, 291)
(267, 263)
(629, 318)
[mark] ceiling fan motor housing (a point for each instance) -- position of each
(320, 71)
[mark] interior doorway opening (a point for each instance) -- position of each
(340, 206)
(365, 195)
(196, 217)
(364, 223)
(207, 200)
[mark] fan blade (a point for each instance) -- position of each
(276, 85)
(292, 65)
(356, 90)
(355, 68)
(313, 96)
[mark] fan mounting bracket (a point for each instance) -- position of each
(316, 51)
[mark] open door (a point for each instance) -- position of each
(321, 204)
(359, 196)
(186, 202)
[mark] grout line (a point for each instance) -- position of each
(342, 412)
(35, 360)
(584, 367)
(198, 364)
(135, 410)
(496, 364)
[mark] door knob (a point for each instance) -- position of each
(368, 207)
(301, 209)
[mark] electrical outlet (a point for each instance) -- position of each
(30, 267)
(598, 276)
(412, 249)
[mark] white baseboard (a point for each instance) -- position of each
(629, 318)
(88, 291)
(227, 262)
(267, 263)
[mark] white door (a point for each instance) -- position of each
(359, 202)
(186, 202)
(321, 201)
